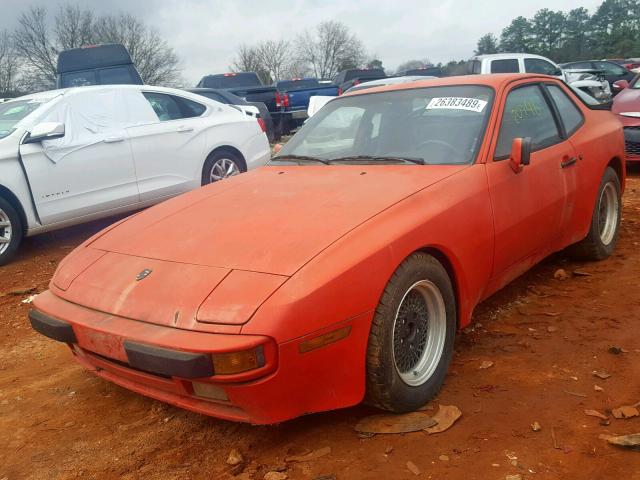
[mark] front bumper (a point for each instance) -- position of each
(167, 362)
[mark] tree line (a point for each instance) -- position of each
(28, 54)
(612, 31)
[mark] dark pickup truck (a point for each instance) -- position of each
(246, 85)
(293, 97)
(354, 76)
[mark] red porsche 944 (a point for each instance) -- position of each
(341, 272)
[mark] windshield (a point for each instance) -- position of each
(14, 111)
(433, 125)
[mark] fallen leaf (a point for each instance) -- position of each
(595, 413)
(445, 417)
(576, 394)
(627, 441)
(485, 364)
(536, 427)
(517, 476)
(552, 314)
(560, 274)
(615, 350)
(321, 452)
(581, 273)
(20, 292)
(598, 388)
(390, 423)
(275, 476)
(626, 411)
(443, 458)
(235, 457)
(552, 329)
(602, 375)
(413, 468)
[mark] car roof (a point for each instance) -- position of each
(99, 88)
(495, 80)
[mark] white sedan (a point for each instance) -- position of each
(74, 155)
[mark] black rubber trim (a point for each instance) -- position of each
(52, 328)
(172, 363)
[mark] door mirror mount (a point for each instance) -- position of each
(520, 153)
(44, 131)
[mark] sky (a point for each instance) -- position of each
(206, 33)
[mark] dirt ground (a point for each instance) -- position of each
(545, 337)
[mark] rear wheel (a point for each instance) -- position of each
(412, 335)
(220, 165)
(605, 221)
(10, 231)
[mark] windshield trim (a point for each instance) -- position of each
(484, 127)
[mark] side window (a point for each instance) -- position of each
(579, 65)
(537, 65)
(169, 107)
(526, 114)
(507, 65)
(571, 116)
(611, 68)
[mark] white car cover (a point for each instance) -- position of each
(100, 117)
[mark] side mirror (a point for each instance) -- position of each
(276, 148)
(520, 153)
(45, 131)
(620, 85)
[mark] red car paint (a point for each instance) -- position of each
(628, 100)
(308, 250)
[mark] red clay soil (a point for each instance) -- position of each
(545, 337)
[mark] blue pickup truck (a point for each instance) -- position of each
(293, 97)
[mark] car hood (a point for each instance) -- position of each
(271, 220)
(208, 259)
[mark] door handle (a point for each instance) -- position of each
(185, 129)
(113, 139)
(568, 161)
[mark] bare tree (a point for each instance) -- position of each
(8, 65)
(331, 47)
(38, 45)
(33, 43)
(156, 61)
(73, 27)
(249, 59)
(275, 56)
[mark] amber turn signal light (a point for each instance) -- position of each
(230, 363)
(324, 339)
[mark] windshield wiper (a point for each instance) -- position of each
(416, 160)
(299, 158)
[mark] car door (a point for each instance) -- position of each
(90, 169)
(528, 206)
(614, 72)
(169, 152)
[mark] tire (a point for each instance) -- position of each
(11, 231)
(221, 164)
(395, 380)
(605, 221)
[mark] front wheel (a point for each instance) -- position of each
(10, 231)
(605, 221)
(220, 165)
(412, 335)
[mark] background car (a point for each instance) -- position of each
(354, 76)
(612, 72)
(106, 64)
(586, 80)
(627, 106)
(228, 98)
(387, 81)
(294, 96)
(70, 156)
(357, 255)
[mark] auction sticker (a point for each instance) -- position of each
(457, 103)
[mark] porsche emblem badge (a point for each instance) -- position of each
(143, 274)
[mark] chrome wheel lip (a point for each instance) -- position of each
(223, 168)
(6, 231)
(436, 325)
(608, 213)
